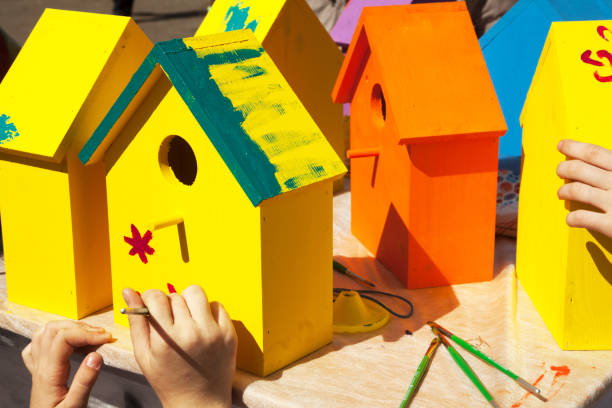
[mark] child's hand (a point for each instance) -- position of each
(186, 348)
(47, 358)
(589, 168)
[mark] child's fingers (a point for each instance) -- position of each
(583, 193)
(83, 382)
(159, 307)
(180, 311)
(26, 355)
(223, 320)
(36, 343)
(589, 219)
(139, 326)
(198, 305)
(590, 153)
(66, 340)
(578, 170)
(44, 338)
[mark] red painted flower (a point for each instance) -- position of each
(601, 54)
(140, 245)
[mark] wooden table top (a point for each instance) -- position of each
(374, 369)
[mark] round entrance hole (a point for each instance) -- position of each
(176, 155)
(379, 105)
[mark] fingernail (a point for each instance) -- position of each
(94, 361)
(95, 329)
(126, 292)
(171, 288)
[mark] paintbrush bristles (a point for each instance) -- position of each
(135, 310)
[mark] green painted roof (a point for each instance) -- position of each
(246, 108)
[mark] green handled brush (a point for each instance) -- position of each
(465, 367)
(471, 349)
(420, 373)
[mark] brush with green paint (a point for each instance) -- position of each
(465, 367)
(471, 349)
(420, 373)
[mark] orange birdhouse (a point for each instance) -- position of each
(425, 128)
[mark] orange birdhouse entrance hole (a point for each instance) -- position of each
(379, 105)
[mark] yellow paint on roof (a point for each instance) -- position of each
(227, 15)
(53, 75)
(275, 119)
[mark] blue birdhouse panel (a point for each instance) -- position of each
(512, 49)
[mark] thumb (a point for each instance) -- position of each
(83, 382)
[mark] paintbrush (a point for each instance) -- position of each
(420, 373)
(471, 349)
(134, 310)
(465, 367)
(346, 271)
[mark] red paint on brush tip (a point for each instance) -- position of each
(171, 288)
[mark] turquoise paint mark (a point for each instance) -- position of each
(236, 17)
(8, 131)
(251, 70)
(292, 183)
(270, 138)
(280, 109)
(296, 182)
(252, 25)
(115, 112)
(317, 170)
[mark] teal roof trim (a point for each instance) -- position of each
(120, 105)
(221, 121)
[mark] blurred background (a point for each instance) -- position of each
(160, 19)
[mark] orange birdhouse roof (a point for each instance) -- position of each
(433, 75)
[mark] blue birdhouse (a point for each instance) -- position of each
(512, 49)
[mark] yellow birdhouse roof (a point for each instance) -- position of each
(50, 80)
(574, 72)
(229, 15)
(244, 105)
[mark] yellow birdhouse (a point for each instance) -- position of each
(300, 47)
(218, 176)
(566, 271)
(54, 225)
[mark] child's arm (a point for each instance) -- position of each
(186, 348)
(47, 358)
(589, 170)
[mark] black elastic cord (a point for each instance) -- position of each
(364, 292)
